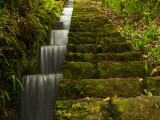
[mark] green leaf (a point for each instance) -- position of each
(3, 100)
(46, 27)
(149, 94)
(14, 84)
(12, 76)
(57, 15)
(19, 83)
(44, 32)
(4, 92)
(5, 59)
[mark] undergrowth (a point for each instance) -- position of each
(24, 26)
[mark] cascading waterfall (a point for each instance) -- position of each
(41, 91)
(62, 25)
(56, 37)
(39, 96)
(49, 54)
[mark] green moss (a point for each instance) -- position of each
(153, 83)
(83, 110)
(122, 70)
(77, 70)
(127, 108)
(89, 40)
(100, 88)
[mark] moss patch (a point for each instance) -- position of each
(101, 88)
(136, 108)
(79, 110)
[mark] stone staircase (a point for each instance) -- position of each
(98, 64)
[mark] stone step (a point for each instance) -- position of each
(105, 69)
(98, 40)
(85, 9)
(100, 21)
(94, 34)
(89, 14)
(98, 64)
(95, 48)
(91, 30)
(102, 30)
(86, 13)
(82, 21)
(146, 108)
(99, 67)
(87, 57)
(90, 25)
(93, 16)
(100, 88)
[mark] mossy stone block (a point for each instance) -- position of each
(78, 70)
(147, 108)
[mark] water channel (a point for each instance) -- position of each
(41, 91)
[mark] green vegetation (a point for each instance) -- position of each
(24, 26)
(142, 13)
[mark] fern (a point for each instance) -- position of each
(46, 27)
(39, 15)
(57, 15)
(3, 22)
(37, 21)
(8, 41)
(44, 32)
(11, 30)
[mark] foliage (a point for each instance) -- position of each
(141, 9)
(25, 24)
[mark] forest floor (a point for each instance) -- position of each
(117, 20)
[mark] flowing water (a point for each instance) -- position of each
(41, 91)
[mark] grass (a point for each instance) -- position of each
(137, 20)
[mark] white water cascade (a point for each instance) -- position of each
(41, 91)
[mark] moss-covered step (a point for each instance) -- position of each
(147, 108)
(91, 30)
(100, 88)
(153, 84)
(90, 25)
(82, 21)
(89, 14)
(78, 70)
(87, 9)
(82, 110)
(105, 69)
(91, 17)
(98, 40)
(94, 34)
(95, 48)
(127, 69)
(87, 57)
(83, 17)
(85, 13)
(110, 29)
